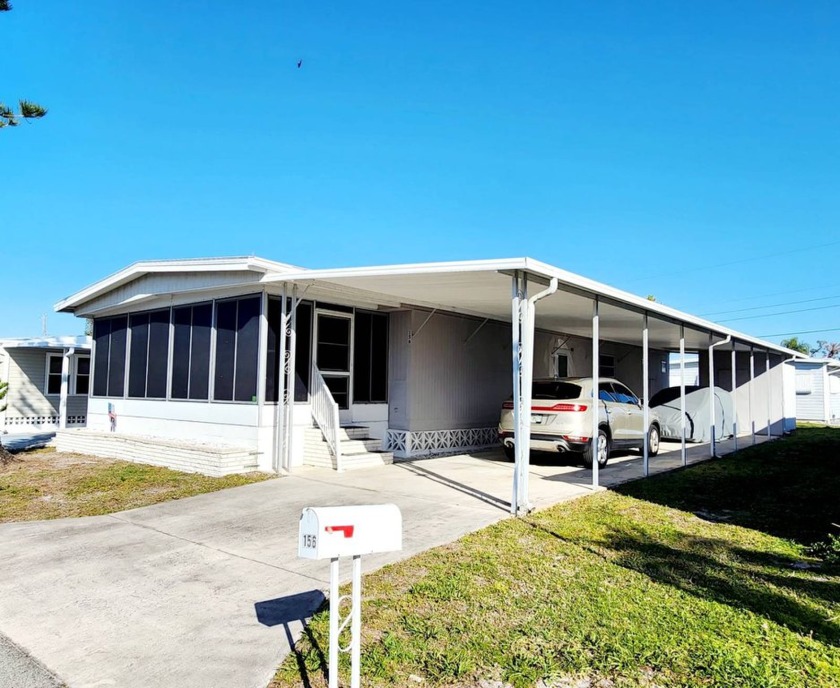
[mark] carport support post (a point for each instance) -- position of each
(769, 389)
(280, 419)
(752, 385)
(645, 395)
(289, 370)
(712, 423)
(516, 354)
(682, 394)
(596, 396)
(734, 401)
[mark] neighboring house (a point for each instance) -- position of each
(49, 379)
(817, 389)
(691, 374)
(193, 360)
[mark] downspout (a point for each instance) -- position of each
(527, 379)
(728, 340)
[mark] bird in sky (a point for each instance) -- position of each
(300, 62)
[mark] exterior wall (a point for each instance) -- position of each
(27, 403)
(834, 397)
(810, 391)
(184, 284)
(447, 385)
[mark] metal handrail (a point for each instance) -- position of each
(325, 414)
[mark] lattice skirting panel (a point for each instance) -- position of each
(23, 421)
(409, 444)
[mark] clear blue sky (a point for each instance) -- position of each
(691, 151)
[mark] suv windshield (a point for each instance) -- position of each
(555, 390)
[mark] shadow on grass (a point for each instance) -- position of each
(786, 488)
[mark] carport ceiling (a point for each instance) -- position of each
(483, 289)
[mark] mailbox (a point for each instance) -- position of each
(330, 532)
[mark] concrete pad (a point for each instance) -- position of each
(208, 591)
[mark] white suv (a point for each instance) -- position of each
(561, 419)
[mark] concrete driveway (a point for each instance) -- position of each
(208, 591)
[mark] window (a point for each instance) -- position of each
(192, 326)
(803, 382)
(237, 348)
(148, 356)
(82, 386)
(606, 366)
(109, 336)
(370, 358)
(79, 376)
(561, 365)
(624, 395)
(54, 373)
(606, 393)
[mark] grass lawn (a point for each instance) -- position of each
(44, 484)
(699, 577)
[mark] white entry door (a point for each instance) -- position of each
(333, 354)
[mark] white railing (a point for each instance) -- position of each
(325, 413)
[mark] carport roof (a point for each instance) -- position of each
(482, 288)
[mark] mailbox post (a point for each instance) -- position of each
(333, 532)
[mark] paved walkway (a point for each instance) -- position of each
(209, 592)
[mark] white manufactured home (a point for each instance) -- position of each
(817, 389)
(48, 380)
(235, 364)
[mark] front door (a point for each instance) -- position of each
(333, 355)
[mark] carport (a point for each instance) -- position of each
(535, 297)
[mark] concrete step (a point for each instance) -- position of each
(357, 449)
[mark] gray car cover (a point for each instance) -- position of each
(697, 423)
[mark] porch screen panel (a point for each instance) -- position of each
(191, 351)
(138, 354)
(272, 355)
(225, 350)
(370, 358)
(379, 358)
(158, 363)
(247, 349)
(116, 356)
(102, 338)
(182, 321)
(202, 325)
(237, 349)
(303, 351)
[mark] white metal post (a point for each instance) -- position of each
(596, 396)
(752, 391)
(769, 390)
(332, 672)
(290, 378)
(516, 365)
(734, 398)
(645, 395)
(356, 624)
(524, 398)
(682, 395)
(65, 387)
(712, 424)
(280, 418)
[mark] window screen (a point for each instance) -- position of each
(110, 335)
(83, 375)
(149, 354)
(54, 374)
(191, 351)
(237, 345)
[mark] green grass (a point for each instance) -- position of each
(45, 484)
(630, 588)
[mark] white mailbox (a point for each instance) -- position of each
(330, 532)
